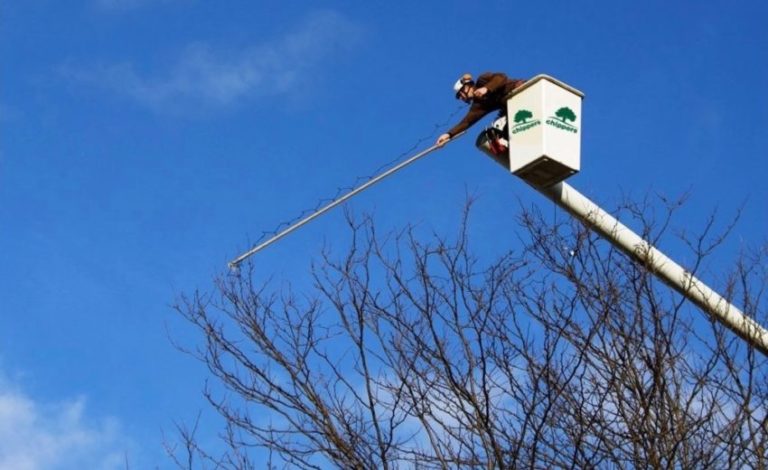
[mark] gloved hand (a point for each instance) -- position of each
(443, 139)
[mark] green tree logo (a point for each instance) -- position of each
(564, 114)
(522, 116)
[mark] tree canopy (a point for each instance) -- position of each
(411, 352)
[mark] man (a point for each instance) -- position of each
(489, 93)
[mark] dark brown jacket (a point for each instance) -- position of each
(499, 86)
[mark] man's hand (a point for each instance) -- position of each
(480, 92)
(443, 139)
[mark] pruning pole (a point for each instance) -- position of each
(236, 262)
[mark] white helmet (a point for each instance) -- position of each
(464, 80)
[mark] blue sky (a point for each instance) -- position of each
(144, 143)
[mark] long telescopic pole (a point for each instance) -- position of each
(236, 262)
(670, 272)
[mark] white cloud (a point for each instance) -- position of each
(35, 435)
(204, 76)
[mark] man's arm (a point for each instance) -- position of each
(474, 114)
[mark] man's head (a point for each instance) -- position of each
(464, 88)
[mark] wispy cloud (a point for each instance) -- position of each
(35, 435)
(204, 76)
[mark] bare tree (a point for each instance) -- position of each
(419, 354)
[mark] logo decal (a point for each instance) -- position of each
(561, 118)
(521, 119)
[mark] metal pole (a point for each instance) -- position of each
(235, 262)
(670, 272)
